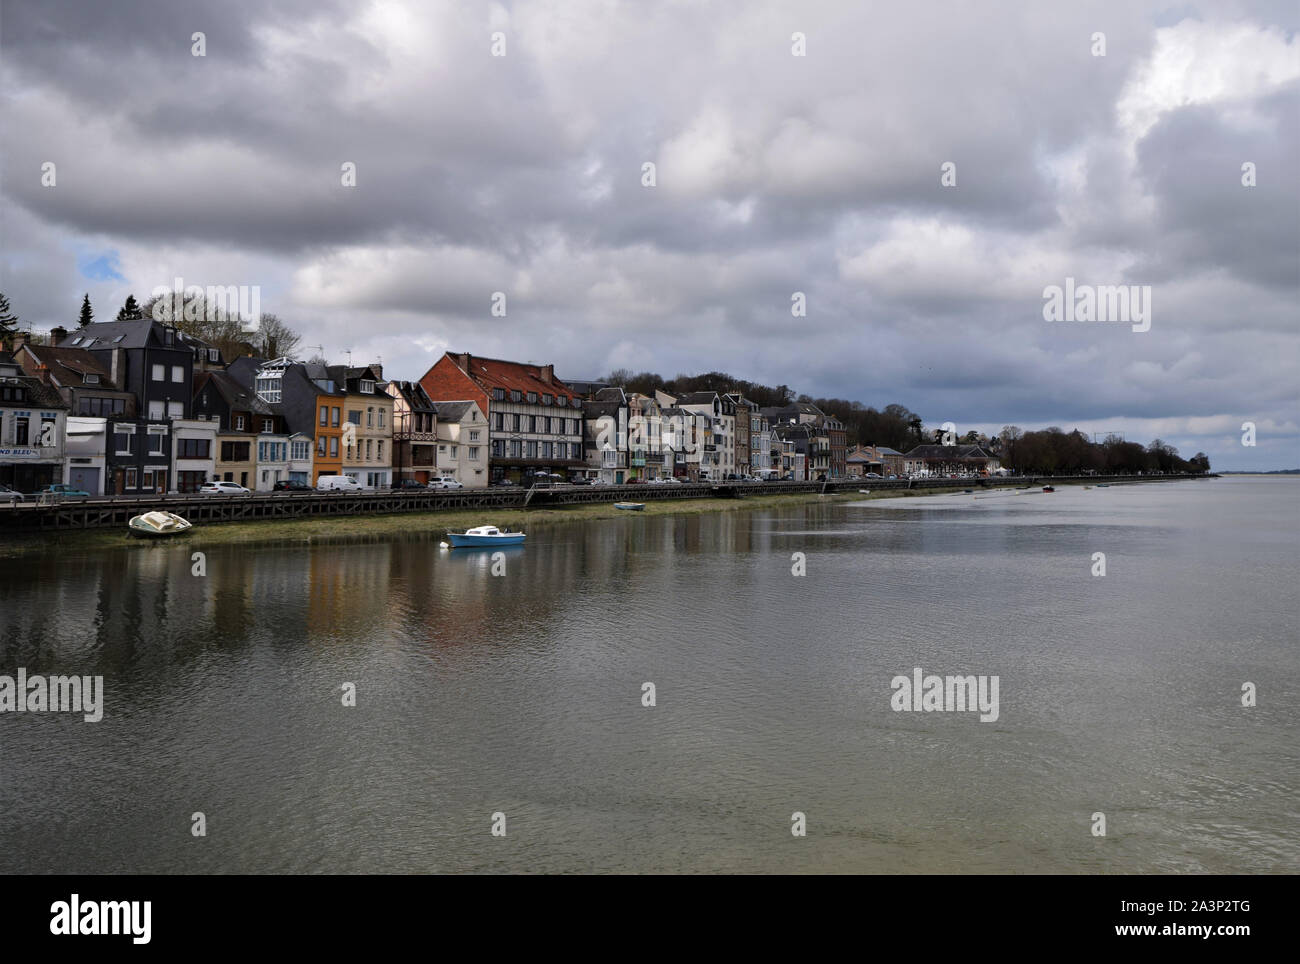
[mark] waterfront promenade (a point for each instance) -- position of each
(211, 510)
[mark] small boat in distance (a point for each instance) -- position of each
(485, 536)
(1048, 488)
(159, 523)
(630, 506)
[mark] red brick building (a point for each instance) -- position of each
(534, 419)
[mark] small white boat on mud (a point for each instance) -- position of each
(159, 523)
(485, 536)
(630, 506)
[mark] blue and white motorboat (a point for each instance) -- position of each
(485, 536)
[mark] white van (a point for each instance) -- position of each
(338, 483)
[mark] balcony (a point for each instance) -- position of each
(710, 447)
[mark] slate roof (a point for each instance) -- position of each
(451, 411)
(69, 366)
(948, 452)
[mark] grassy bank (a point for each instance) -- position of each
(363, 527)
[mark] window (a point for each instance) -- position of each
(320, 446)
(532, 450)
(473, 452)
(499, 394)
(21, 423)
(367, 387)
(239, 423)
(515, 422)
(13, 394)
(268, 425)
(561, 401)
(453, 451)
(156, 411)
(381, 418)
(516, 448)
(532, 398)
(130, 478)
(473, 436)
(546, 450)
(498, 421)
(159, 373)
(369, 456)
(379, 449)
(122, 439)
(334, 445)
(178, 373)
(547, 399)
(101, 406)
(175, 409)
(354, 416)
(214, 355)
(192, 448)
(235, 451)
(514, 395)
(91, 379)
(498, 449)
(268, 385)
(157, 440)
(324, 416)
(528, 423)
(334, 416)
(370, 417)
(301, 450)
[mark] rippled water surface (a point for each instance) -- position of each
(521, 694)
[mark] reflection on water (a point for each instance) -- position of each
(521, 693)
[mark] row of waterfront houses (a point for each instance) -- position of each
(138, 407)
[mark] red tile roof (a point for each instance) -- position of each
(493, 373)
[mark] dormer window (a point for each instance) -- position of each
(561, 401)
(532, 398)
(498, 394)
(548, 399)
(214, 355)
(514, 395)
(367, 387)
(91, 379)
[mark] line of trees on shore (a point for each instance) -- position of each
(1053, 451)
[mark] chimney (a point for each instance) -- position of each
(463, 361)
(17, 340)
(548, 372)
(57, 334)
(43, 373)
(117, 368)
(378, 369)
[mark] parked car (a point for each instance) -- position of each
(409, 484)
(338, 483)
(597, 480)
(223, 488)
(635, 482)
(498, 483)
(10, 495)
(290, 485)
(445, 482)
(63, 491)
(872, 475)
(821, 476)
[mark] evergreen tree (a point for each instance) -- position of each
(87, 315)
(130, 311)
(8, 320)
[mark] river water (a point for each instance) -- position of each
(521, 694)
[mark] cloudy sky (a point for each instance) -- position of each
(774, 174)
